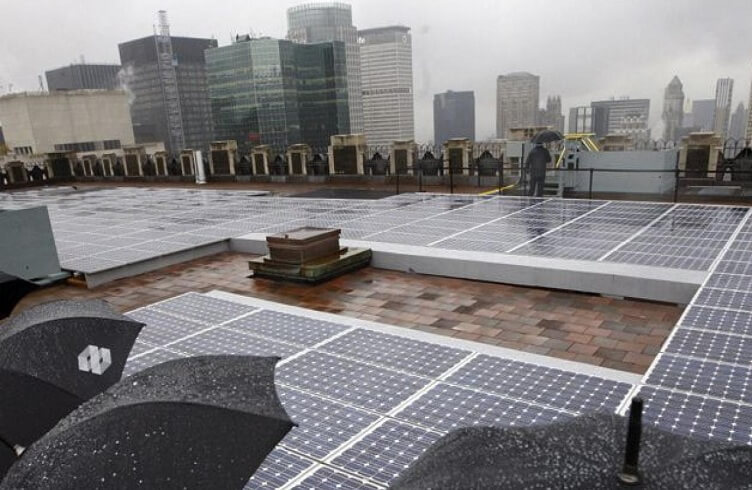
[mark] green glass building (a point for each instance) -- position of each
(276, 92)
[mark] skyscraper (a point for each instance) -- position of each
(551, 116)
(83, 77)
(724, 89)
(622, 116)
(325, 22)
(673, 109)
(166, 78)
(453, 116)
(748, 132)
(517, 96)
(702, 114)
(386, 62)
(276, 92)
(738, 123)
(581, 119)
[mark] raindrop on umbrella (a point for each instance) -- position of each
(53, 357)
(586, 452)
(200, 422)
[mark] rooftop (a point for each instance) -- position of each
(477, 310)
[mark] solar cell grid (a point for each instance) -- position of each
(720, 298)
(352, 382)
(204, 309)
(162, 328)
(386, 451)
(559, 389)
(702, 377)
(711, 345)
(714, 319)
(278, 469)
(326, 477)
(323, 425)
(445, 407)
(696, 416)
(729, 281)
(391, 351)
(225, 341)
(284, 327)
(733, 267)
(197, 218)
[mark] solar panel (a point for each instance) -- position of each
(326, 477)
(713, 319)
(392, 351)
(202, 308)
(718, 298)
(696, 416)
(702, 377)
(288, 328)
(162, 328)
(225, 341)
(278, 469)
(577, 393)
(353, 382)
(711, 345)
(323, 425)
(110, 228)
(445, 407)
(386, 451)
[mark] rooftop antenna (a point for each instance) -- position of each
(41, 83)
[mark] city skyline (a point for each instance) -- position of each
(638, 64)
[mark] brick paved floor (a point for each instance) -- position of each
(620, 334)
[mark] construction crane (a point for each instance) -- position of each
(166, 63)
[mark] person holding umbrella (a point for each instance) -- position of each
(537, 160)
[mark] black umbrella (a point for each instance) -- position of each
(546, 136)
(199, 422)
(584, 453)
(55, 356)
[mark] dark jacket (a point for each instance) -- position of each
(537, 160)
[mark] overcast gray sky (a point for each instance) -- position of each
(582, 49)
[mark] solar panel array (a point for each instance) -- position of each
(367, 403)
(102, 229)
(701, 382)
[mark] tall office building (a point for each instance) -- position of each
(276, 92)
(325, 22)
(724, 89)
(83, 77)
(453, 116)
(622, 116)
(166, 78)
(702, 114)
(581, 119)
(551, 116)
(748, 132)
(386, 67)
(517, 97)
(738, 123)
(673, 109)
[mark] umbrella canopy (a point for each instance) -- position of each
(547, 136)
(583, 453)
(200, 422)
(55, 356)
(7, 457)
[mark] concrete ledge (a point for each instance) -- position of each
(95, 279)
(607, 278)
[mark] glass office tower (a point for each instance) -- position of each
(278, 93)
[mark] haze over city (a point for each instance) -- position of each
(582, 50)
